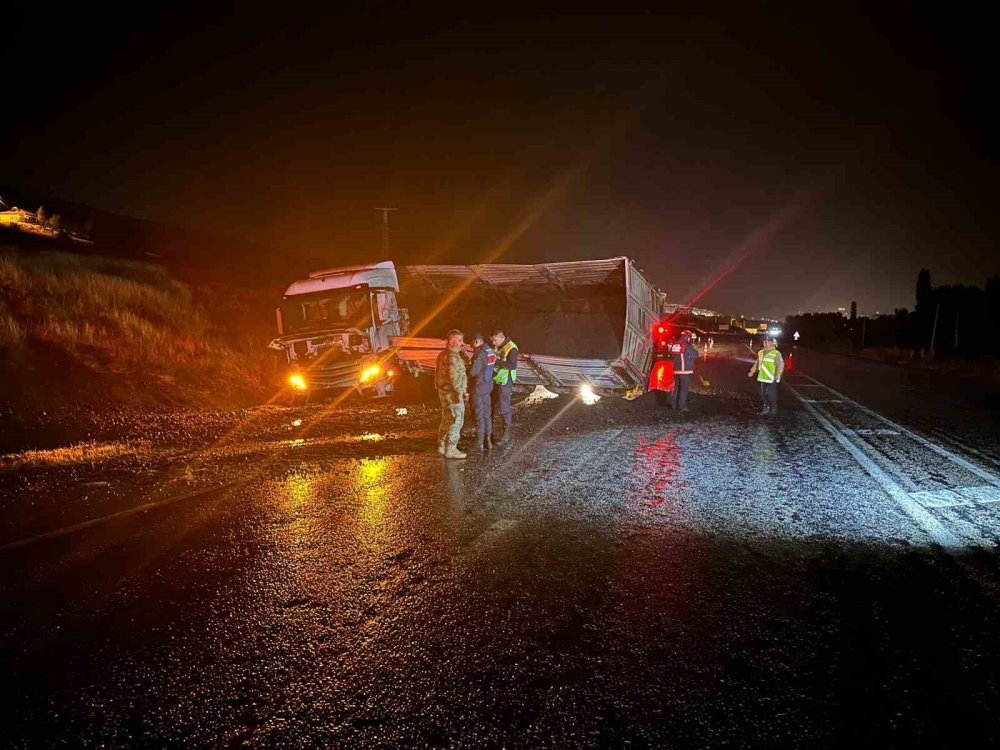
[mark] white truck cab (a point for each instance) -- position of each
(335, 328)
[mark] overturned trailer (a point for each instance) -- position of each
(582, 323)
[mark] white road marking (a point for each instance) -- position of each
(494, 532)
(981, 494)
(880, 433)
(940, 498)
(928, 523)
(965, 464)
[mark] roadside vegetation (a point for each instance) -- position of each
(90, 332)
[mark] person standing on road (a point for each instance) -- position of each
(684, 354)
(481, 372)
(504, 378)
(452, 384)
(768, 367)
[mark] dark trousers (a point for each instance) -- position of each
(769, 396)
(682, 387)
(501, 403)
(482, 408)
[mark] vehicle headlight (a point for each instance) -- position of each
(370, 373)
(298, 382)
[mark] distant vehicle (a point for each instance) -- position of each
(347, 327)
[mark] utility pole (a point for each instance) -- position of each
(934, 329)
(385, 230)
(956, 332)
(864, 330)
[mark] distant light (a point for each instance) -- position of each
(298, 383)
(661, 329)
(588, 396)
(296, 423)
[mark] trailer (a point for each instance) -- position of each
(580, 324)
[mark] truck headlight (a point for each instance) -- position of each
(588, 396)
(370, 373)
(298, 383)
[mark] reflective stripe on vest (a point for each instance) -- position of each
(768, 366)
(678, 350)
(503, 375)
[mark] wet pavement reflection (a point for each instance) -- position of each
(630, 577)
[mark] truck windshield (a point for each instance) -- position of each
(321, 311)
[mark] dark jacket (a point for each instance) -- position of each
(481, 371)
(684, 359)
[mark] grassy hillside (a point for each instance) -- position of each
(89, 332)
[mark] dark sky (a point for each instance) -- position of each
(843, 150)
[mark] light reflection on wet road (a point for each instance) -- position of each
(627, 576)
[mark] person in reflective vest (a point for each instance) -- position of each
(683, 354)
(768, 367)
(504, 378)
(481, 374)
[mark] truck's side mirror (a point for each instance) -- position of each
(385, 308)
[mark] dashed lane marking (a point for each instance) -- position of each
(949, 498)
(927, 522)
(943, 452)
(494, 532)
(880, 433)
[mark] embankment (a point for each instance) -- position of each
(83, 337)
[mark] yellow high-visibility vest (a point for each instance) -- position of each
(502, 374)
(767, 366)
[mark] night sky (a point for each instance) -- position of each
(837, 152)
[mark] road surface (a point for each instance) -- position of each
(621, 576)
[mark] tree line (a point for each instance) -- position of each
(951, 320)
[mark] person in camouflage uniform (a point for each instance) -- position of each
(452, 383)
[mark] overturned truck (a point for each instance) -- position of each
(577, 324)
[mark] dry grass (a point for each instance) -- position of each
(73, 455)
(123, 318)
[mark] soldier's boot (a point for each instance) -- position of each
(480, 445)
(489, 442)
(452, 451)
(442, 448)
(505, 437)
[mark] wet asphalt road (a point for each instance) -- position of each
(622, 576)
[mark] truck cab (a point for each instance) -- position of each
(335, 329)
